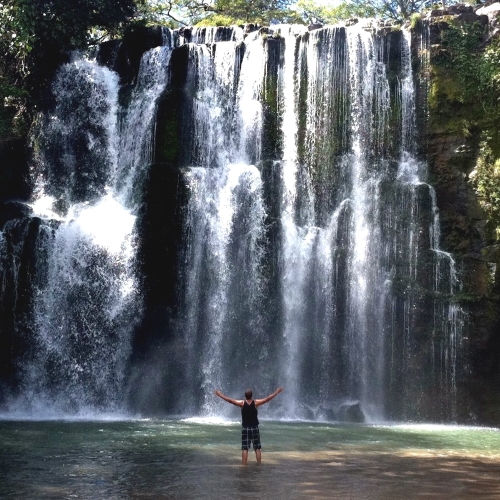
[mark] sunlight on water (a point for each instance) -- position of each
(211, 421)
(108, 223)
(439, 427)
(44, 207)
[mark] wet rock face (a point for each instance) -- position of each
(452, 152)
(14, 171)
(124, 56)
(13, 210)
(453, 10)
(441, 19)
(20, 269)
(314, 26)
(457, 9)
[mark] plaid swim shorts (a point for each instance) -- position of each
(250, 435)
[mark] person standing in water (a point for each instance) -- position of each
(250, 422)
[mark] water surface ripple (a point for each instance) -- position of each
(183, 459)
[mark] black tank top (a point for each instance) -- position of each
(249, 415)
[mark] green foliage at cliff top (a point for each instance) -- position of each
(36, 35)
(178, 13)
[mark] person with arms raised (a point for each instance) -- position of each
(250, 422)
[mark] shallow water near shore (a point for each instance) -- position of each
(191, 459)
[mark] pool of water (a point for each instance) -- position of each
(191, 459)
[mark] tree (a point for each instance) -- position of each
(312, 12)
(398, 10)
(254, 11)
(36, 36)
(219, 12)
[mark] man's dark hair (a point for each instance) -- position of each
(248, 394)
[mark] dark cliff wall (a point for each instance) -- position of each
(18, 235)
(454, 126)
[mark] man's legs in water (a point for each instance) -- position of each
(244, 456)
(250, 436)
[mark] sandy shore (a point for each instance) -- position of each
(409, 475)
(358, 475)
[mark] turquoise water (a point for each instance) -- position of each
(190, 459)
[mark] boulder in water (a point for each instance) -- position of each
(351, 412)
(330, 414)
(308, 413)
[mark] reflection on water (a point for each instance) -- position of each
(179, 459)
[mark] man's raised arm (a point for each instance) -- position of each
(235, 402)
(259, 402)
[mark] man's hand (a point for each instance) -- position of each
(259, 402)
(236, 402)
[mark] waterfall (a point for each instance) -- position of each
(448, 318)
(348, 194)
(213, 34)
(90, 160)
(308, 252)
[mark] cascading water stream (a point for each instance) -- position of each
(225, 216)
(297, 242)
(448, 316)
(310, 252)
(359, 333)
(137, 125)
